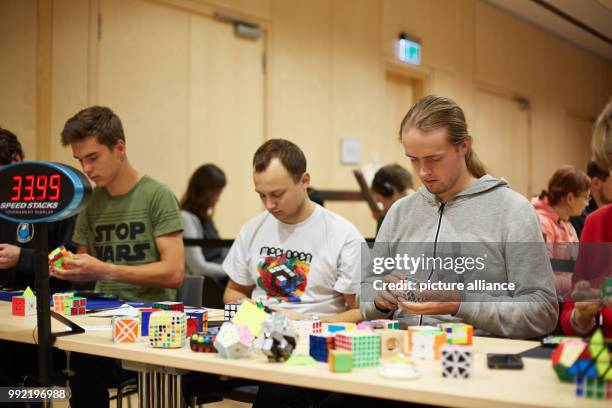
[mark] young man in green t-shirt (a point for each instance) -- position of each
(129, 237)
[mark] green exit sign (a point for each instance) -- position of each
(409, 51)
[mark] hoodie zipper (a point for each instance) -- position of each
(440, 212)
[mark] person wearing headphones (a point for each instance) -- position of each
(390, 183)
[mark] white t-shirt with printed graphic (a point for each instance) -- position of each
(306, 266)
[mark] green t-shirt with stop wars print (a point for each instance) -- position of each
(122, 230)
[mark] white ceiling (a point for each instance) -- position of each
(596, 14)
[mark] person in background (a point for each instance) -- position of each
(197, 209)
(567, 195)
(601, 194)
(594, 263)
(390, 183)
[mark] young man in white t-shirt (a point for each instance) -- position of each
(300, 254)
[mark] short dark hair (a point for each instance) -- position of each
(290, 155)
(204, 183)
(10, 148)
(391, 177)
(98, 121)
(593, 170)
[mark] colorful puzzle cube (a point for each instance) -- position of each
(173, 306)
(24, 305)
(336, 327)
(278, 340)
(202, 343)
(340, 361)
(233, 340)
(320, 345)
(59, 299)
(456, 360)
(144, 315)
(58, 257)
(167, 329)
(201, 315)
(458, 333)
(125, 329)
(427, 344)
(229, 311)
(413, 329)
(391, 341)
(364, 345)
(303, 330)
(251, 316)
(75, 306)
(565, 357)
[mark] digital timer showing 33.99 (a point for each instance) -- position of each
(39, 187)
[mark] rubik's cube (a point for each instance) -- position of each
(172, 306)
(233, 340)
(144, 314)
(202, 343)
(456, 361)
(320, 345)
(595, 388)
(167, 329)
(59, 299)
(458, 333)
(389, 324)
(303, 330)
(340, 361)
(427, 345)
(364, 345)
(75, 306)
(414, 329)
(391, 341)
(202, 317)
(229, 311)
(24, 305)
(59, 255)
(125, 329)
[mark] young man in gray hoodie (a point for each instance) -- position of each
(460, 208)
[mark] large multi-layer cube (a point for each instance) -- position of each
(203, 342)
(233, 340)
(58, 257)
(458, 333)
(414, 329)
(456, 361)
(172, 306)
(340, 361)
(303, 330)
(363, 344)
(427, 345)
(391, 341)
(201, 315)
(59, 299)
(125, 329)
(320, 345)
(24, 305)
(229, 311)
(75, 306)
(167, 329)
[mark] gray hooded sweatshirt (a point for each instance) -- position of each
(488, 214)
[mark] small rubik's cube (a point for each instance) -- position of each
(202, 317)
(59, 299)
(303, 329)
(125, 329)
(458, 333)
(413, 329)
(593, 387)
(171, 306)
(58, 257)
(340, 361)
(320, 345)
(391, 341)
(202, 343)
(363, 344)
(167, 329)
(144, 315)
(456, 361)
(233, 340)
(75, 306)
(427, 345)
(24, 305)
(229, 311)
